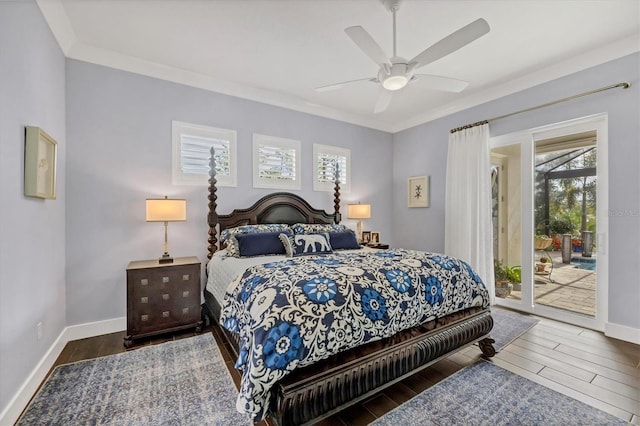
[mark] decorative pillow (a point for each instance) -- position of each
(262, 244)
(226, 236)
(305, 244)
(317, 228)
(343, 240)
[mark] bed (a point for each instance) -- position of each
(329, 378)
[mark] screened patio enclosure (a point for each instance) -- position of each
(565, 187)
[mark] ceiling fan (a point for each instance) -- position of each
(396, 72)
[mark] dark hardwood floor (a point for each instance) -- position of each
(359, 414)
(597, 370)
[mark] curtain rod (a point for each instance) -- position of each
(570, 98)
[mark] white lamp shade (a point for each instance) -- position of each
(359, 211)
(165, 210)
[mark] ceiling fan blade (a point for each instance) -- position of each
(384, 99)
(437, 82)
(367, 44)
(344, 83)
(452, 42)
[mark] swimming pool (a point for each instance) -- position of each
(586, 263)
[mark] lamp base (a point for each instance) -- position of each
(166, 258)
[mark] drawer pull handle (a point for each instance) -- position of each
(165, 314)
(144, 281)
(144, 318)
(144, 299)
(185, 311)
(185, 293)
(185, 277)
(165, 296)
(165, 279)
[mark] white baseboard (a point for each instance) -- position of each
(20, 400)
(90, 329)
(622, 332)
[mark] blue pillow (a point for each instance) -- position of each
(262, 244)
(343, 240)
(227, 236)
(305, 244)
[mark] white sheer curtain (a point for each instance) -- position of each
(468, 201)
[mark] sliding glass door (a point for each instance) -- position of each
(549, 220)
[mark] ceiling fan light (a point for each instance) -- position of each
(395, 82)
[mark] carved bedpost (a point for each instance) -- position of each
(212, 218)
(336, 196)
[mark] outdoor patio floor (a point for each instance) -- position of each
(569, 287)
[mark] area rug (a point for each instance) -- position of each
(484, 394)
(182, 382)
(508, 326)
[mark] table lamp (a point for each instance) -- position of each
(166, 210)
(359, 211)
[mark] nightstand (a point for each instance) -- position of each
(162, 298)
(378, 246)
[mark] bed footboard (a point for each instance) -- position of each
(301, 398)
(318, 391)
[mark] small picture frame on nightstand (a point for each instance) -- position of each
(375, 238)
(366, 237)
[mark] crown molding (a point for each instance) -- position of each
(55, 15)
(112, 59)
(58, 21)
(569, 66)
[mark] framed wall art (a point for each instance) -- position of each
(418, 191)
(40, 156)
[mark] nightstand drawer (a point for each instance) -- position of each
(157, 317)
(166, 279)
(162, 297)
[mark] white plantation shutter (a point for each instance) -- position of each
(329, 166)
(276, 162)
(326, 161)
(191, 151)
(195, 152)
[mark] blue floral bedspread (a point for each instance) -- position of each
(298, 311)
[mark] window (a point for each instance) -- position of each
(327, 160)
(276, 162)
(192, 144)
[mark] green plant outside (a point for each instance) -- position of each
(561, 226)
(503, 272)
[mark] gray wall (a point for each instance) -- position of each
(119, 138)
(422, 150)
(32, 234)
(68, 256)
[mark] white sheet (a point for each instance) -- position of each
(223, 270)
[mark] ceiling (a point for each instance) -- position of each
(278, 51)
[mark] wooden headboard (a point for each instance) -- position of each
(278, 207)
